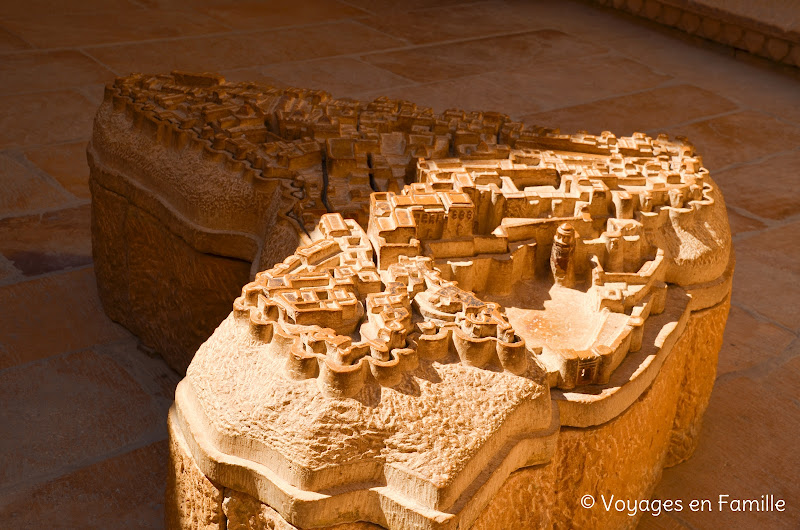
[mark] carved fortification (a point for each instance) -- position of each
(477, 322)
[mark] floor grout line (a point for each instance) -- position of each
(44, 360)
(763, 318)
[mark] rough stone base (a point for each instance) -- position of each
(623, 457)
(193, 501)
(154, 283)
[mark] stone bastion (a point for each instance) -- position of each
(447, 321)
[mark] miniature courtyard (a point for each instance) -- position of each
(86, 405)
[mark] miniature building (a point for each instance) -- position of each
(428, 299)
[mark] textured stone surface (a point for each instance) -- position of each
(192, 501)
(243, 512)
(130, 243)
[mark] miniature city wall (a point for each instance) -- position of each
(454, 320)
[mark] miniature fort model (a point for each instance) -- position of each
(478, 322)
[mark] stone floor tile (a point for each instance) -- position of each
(767, 290)
(67, 411)
(446, 61)
(749, 342)
(35, 71)
(767, 275)
(776, 246)
(24, 190)
(581, 79)
(739, 137)
(8, 273)
(11, 43)
(148, 368)
(442, 23)
(66, 163)
(654, 109)
(52, 315)
(481, 92)
(123, 492)
(761, 187)
(49, 7)
(745, 451)
(52, 241)
(44, 118)
(342, 77)
(750, 86)
(276, 13)
(232, 51)
(58, 30)
(95, 93)
(392, 6)
(740, 223)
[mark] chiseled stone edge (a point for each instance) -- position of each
(308, 508)
(717, 25)
(229, 243)
(193, 501)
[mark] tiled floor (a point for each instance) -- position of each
(82, 409)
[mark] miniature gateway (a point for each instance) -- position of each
(513, 318)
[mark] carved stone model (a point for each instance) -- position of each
(198, 184)
(515, 318)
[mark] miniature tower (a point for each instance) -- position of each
(561, 257)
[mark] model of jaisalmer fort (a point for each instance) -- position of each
(454, 320)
